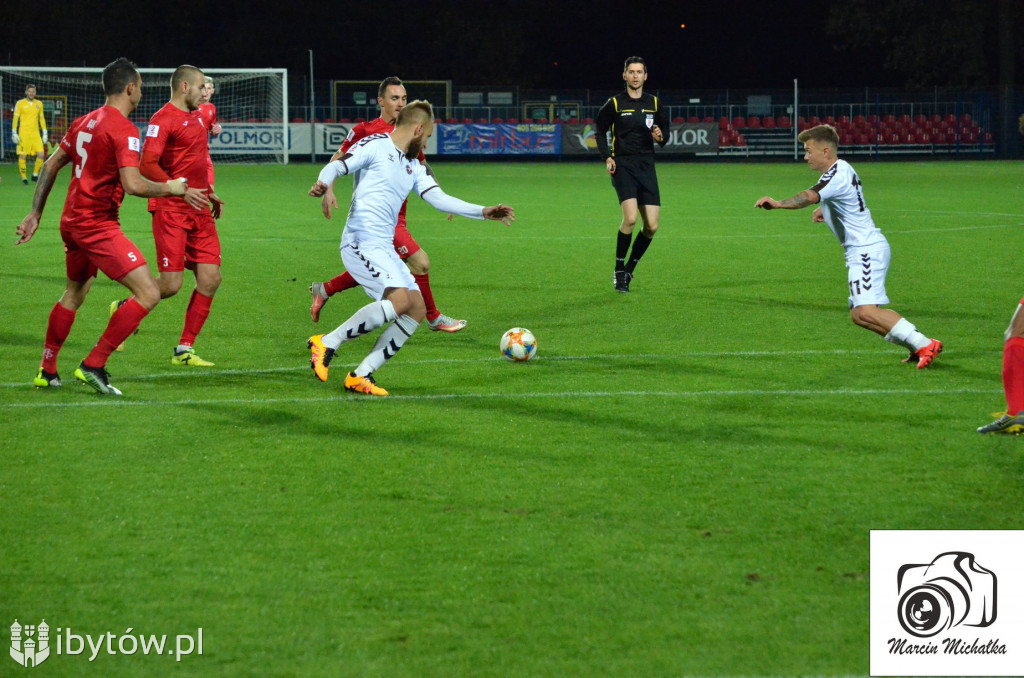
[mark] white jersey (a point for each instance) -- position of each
(386, 176)
(842, 205)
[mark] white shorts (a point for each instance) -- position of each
(865, 271)
(376, 267)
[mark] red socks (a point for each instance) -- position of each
(1013, 374)
(57, 330)
(423, 281)
(340, 283)
(196, 314)
(124, 321)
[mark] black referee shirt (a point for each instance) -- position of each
(630, 121)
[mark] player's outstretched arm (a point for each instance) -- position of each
(135, 184)
(47, 175)
(798, 201)
(503, 213)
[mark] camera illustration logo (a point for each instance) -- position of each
(950, 591)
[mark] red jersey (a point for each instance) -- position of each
(365, 129)
(179, 139)
(208, 112)
(100, 144)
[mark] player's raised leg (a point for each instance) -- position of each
(145, 296)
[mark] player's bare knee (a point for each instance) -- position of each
(168, 286)
(861, 316)
(418, 263)
(208, 282)
(650, 229)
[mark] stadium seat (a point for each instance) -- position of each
(988, 138)
(708, 118)
(768, 122)
(924, 138)
(678, 120)
(359, 120)
(783, 121)
(724, 140)
(498, 121)
(527, 120)
(723, 121)
(588, 121)
(814, 121)
(298, 120)
(843, 120)
(741, 142)
(829, 120)
(754, 122)
(950, 118)
(859, 120)
(482, 121)
(253, 120)
(965, 118)
(941, 139)
(920, 119)
(452, 121)
(862, 139)
(692, 119)
(904, 118)
(936, 119)
(467, 121)
(889, 117)
(513, 121)
(574, 121)
(739, 122)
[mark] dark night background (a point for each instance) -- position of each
(547, 45)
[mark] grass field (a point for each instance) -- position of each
(681, 483)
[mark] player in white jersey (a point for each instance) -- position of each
(388, 171)
(867, 251)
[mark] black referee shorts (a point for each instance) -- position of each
(635, 178)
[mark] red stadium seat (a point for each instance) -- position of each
(707, 118)
(452, 121)
(783, 121)
(768, 121)
(513, 121)
(298, 120)
(723, 121)
(588, 121)
(754, 122)
(965, 118)
(498, 121)
(692, 119)
(678, 120)
(741, 141)
(862, 139)
(739, 121)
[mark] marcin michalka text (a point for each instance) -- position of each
(950, 646)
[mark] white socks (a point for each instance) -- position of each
(388, 344)
(366, 319)
(905, 334)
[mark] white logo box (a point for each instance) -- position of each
(960, 595)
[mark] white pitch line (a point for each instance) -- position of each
(759, 393)
(303, 366)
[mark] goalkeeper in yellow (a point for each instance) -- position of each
(29, 132)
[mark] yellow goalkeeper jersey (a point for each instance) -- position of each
(28, 118)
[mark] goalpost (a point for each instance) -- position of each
(252, 106)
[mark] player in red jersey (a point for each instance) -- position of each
(185, 233)
(104, 147)
(391, 98)
(208, 112)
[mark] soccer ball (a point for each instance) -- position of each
(518, 345)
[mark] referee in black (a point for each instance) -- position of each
(636, 121)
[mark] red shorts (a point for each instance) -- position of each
(405, 244)
(184, 239)
(105, 249)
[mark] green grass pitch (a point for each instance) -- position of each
(681, 483)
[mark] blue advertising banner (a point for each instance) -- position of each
(500, 139)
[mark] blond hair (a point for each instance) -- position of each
(415, 112)
(824, 134)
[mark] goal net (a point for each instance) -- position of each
(251, 106)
